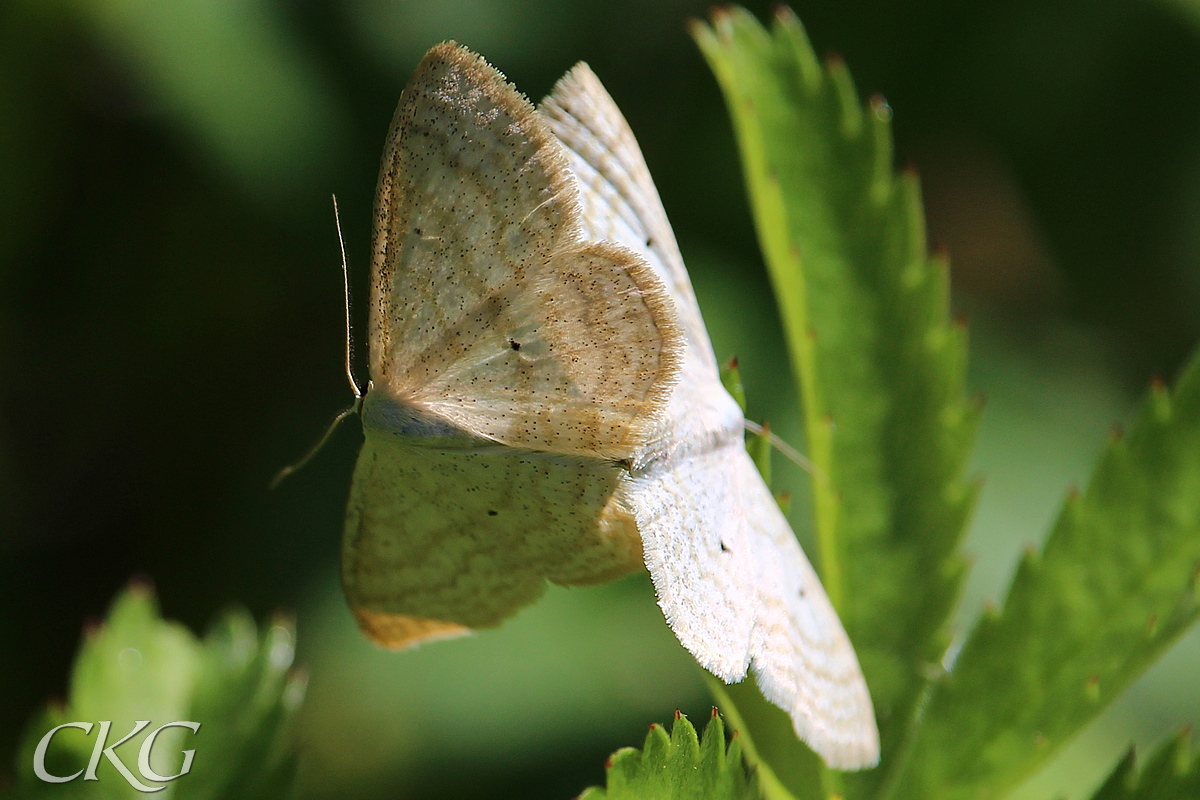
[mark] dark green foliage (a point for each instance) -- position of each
(136, 666)
(1171, 773)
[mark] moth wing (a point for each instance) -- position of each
(439, 543)
(739, 593)
(489, 307)
(730, 576)
(618, 199)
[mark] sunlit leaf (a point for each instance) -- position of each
(1114, 585)
(1171, 773)
(880, 365)
(679, 766)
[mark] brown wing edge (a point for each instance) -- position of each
(400, 631)
(661, 306)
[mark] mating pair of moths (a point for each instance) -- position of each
(545, 403)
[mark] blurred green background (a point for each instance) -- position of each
(170, 327)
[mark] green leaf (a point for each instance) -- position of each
(679, 765)
(1171, 773)
(1114, 585)
(881, 368)
(731, 379)
(758, 444)
(137, 666)
(248, 697)
(759, 447)
(786, 769)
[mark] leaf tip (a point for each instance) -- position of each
(722, 22)
(991, 612)
(296, 689)
(931, 671)
(1030, 558)
(1160, 399)
(92, 627)
(880, 107)
(283, 617)
(140, 586)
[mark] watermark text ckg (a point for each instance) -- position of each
(100, 750)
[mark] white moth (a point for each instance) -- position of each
(545, 404)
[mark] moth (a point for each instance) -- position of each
(544, 403)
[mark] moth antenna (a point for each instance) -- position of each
(346, 295)
(312, 451)
(358, 394)
(792, 454)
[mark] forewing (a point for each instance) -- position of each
(438, 543)
(488, 307)
(737, 590)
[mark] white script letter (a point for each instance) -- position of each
(39, 755)
(138, 727)
(148, 745)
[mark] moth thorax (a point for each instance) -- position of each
(387, 414)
